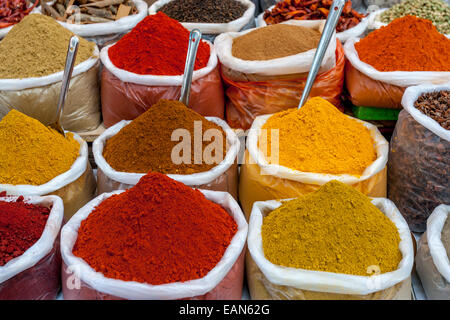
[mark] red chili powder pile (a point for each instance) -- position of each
(406, 44)
(21, 225)
(160, 231)
(158, 46)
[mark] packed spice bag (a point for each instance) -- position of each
(31, 226)
(333, 244)
(39, 161)
(129, 149)
(294, 152)
(136, 77)
(194, 239)
(433, 255)
(419, 155)
(265, 69)
(32, 60)
(407, 52)
(211, 17)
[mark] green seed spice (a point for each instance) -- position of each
(437, 11)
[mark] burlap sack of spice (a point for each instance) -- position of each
(260, 181)
(419, 159)
(36, 274)
(223, 282)
(126, 95)
(432, 262)
(223, 177)
(268, 281)
(75, 187)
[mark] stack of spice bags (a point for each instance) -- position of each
(172, 139)
(30, 259)
(157, 240)
(333, 244)
(32, 60)
(37, 160)
(265, 69)
(433, 255)
(294, 152)
(211, 17)
(419, 157)
(147, 64)
(409, 51)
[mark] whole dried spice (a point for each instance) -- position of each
(312, 10)
(204, 11)
(275, 41)
(436, 105)
(13, 11)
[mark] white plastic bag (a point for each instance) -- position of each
(75, 186)
(36, 274)
(223, 177)
(343, 36)
(432, 262)
(291, 283)
(218, 283)
(298, 63)
(37, 97)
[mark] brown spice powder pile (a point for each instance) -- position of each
(275, 41)
(445, 236)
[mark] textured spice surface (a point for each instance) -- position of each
(145, 144)
(319, 138)
(36, 47)
(436, 105)
(335, 229)
(159, 231)
(445, 236)
(157, 45)
(209, 11)
(406, 44)
(31, 152)
(21, 225)
(275, 41)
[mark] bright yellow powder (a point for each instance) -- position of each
(335, 229)
(31, 153)
(319, 138)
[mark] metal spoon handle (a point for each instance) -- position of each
(194, 40)
(70, 62)
(330, 26)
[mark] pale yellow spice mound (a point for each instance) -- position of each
(319, 138)
(31, 153)
(335, 229)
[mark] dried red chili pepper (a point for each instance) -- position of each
(13, 11)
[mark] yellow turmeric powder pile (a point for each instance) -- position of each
(319, 138)
(31, 153)
(335, 229)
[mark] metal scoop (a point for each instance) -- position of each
(194, 40)
(330, 26)
(70, 62)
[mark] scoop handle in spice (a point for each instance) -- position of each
(194, 40)
(330, 26)
(70, 62)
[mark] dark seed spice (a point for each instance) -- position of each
(206, 11)
(436, 105)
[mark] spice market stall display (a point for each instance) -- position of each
(419, 155)
(265, 70)
(32, 59)
(211, 17)
(102, 22)
(147, 65)
(407, 52)
(30, 259)
(333, 244)
(129, 149)
(316, 144)
(311, 13)
(13, 11)
(37, 160)
(196, 249)
(433, 255)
